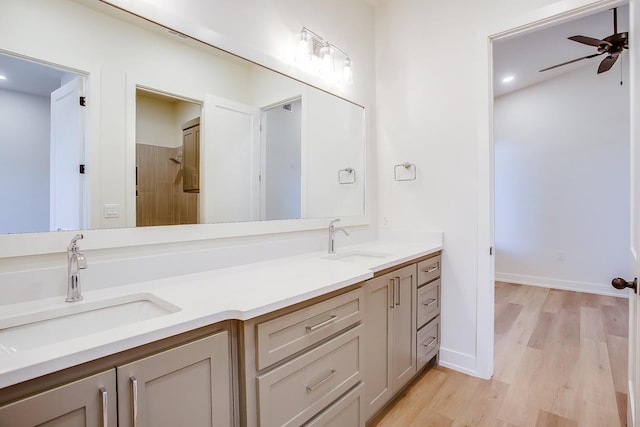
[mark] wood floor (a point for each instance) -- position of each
(560, 360)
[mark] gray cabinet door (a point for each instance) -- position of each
(404, 327)
(378, 302)
(90, 401)
(185, 386)
(390, 336)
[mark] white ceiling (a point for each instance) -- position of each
(523, 56)
(29, 77)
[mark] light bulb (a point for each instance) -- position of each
(326, 59)
(347, 72)
(303, 54)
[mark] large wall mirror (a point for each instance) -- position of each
(172, 132)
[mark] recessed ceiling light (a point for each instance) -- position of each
(508, 79)
(2, 77)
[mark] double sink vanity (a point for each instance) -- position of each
(315, 339)
(312, 339)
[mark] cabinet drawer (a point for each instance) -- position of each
(346, 411)
(428, 342)
(428, 302)
(428, 270)
(296, 391)
(288, 334)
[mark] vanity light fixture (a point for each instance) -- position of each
(3, 77)
(508, 79)
(317, 55)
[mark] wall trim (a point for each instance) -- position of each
(631, 405)
(457, 361)
(567, 285)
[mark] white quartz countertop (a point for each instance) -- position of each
(242, 292)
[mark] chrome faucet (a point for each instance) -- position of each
(75, 262)
(332, 232)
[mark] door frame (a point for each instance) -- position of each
(557, 13)
(133, 83)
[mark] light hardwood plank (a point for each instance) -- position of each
(560, 360)
(546, 419)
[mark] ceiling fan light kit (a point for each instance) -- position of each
(612, 46)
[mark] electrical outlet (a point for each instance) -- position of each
(386, 222)
(111, 211)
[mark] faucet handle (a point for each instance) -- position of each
(334, 221)
(82, 261)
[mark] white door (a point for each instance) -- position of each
(230, 182)
(66, 156)
(634, 301)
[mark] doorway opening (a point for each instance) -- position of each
(281, 158)
(557, 174)
(42, 139)
(167, 159)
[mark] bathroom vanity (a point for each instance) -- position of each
(314, 339)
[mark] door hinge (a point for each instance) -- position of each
(82, 168)
(491, 250)
(83, 101)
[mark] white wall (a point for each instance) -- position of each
(562, 182)
(24, 162)
(433, 110)
(333, 141)
(157, 122)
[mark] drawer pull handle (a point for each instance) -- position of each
(322, 381)
(432, 269)
(134, 390)
(431, 343)
(397, 283)
(105, 406)
(322, 324)
(392, 289)
(430, 302)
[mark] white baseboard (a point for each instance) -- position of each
(457, 361)
(567, 285)
(631, 406)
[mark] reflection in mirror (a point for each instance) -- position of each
(167, 159)
(42, 145)
(281, 161)
(290, 169)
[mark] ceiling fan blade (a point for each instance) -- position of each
(589, 41)
(572, 61)
(607, 63)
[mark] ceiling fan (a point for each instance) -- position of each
(612, 46)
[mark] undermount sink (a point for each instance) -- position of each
(357, 256)
(41, 328)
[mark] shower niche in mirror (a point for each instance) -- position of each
(270, 147)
